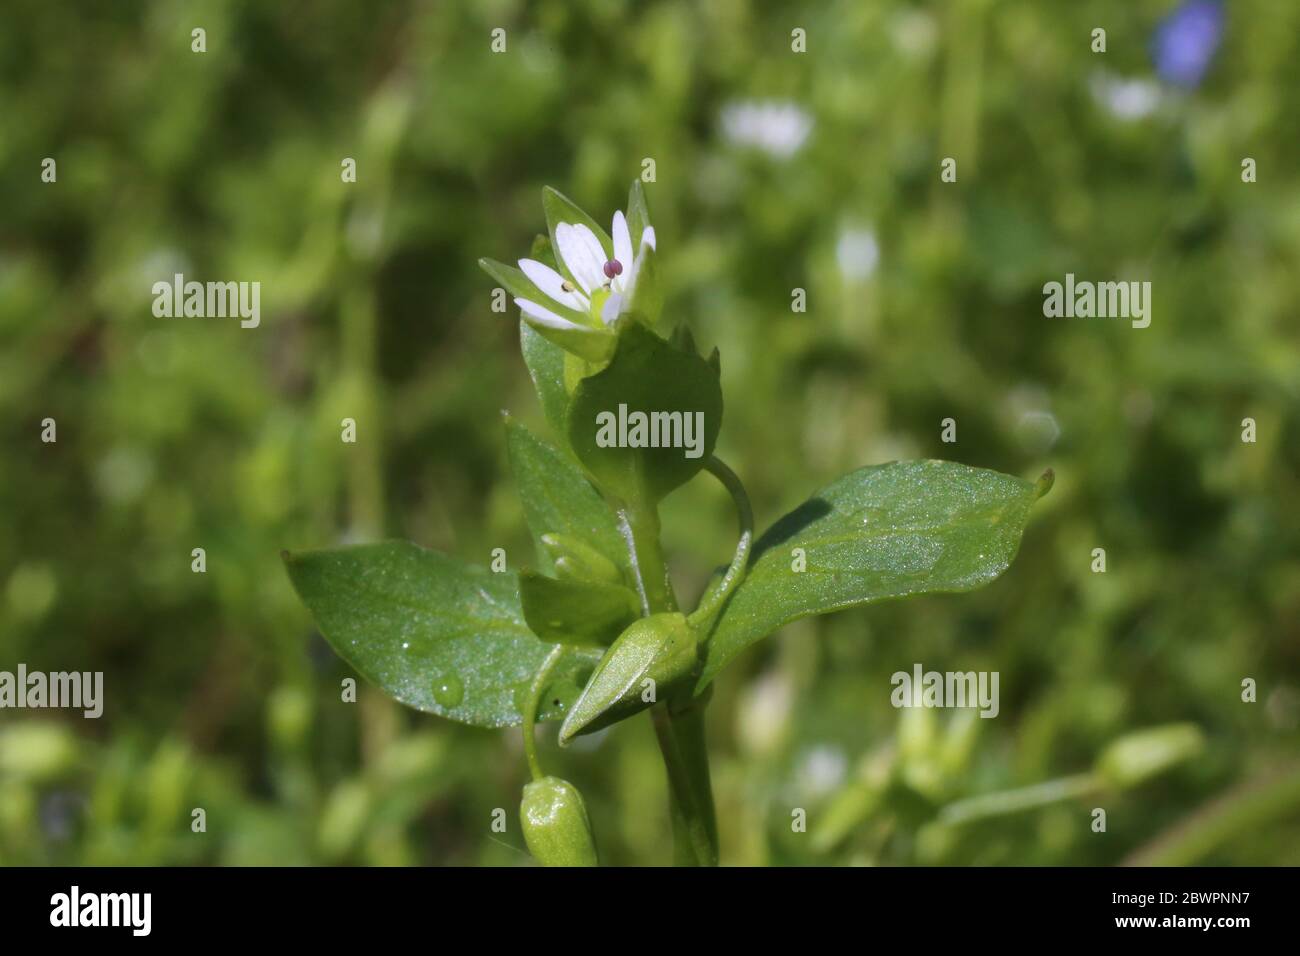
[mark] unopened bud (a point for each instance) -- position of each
(661, 648)
(555, 824)
(1136, 757)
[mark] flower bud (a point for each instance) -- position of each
(1135, 757)
(554, 820)
(653, 656)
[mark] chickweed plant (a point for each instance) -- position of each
(595, 634)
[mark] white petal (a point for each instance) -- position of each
(552, 283)
(545, 316)
(648, 237)
(595, 251)
(622, 238)
(610, 310)
(622, 249)
(577, 256)
(593, 244)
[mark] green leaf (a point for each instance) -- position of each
(647, 377)
(661, 648)
(558, 498)
(432, 632)
(580, 613)
(887, 531)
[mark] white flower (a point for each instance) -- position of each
(604, 287)
(822, 769)
(857, 253)
(1125, 99)
(776, 128)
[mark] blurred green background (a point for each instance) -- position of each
(774, 171)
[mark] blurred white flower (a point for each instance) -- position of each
(1125, 99)
(775, 127)
(857, 253)
(822, 770)
(763, 714)
(1029, 409)
(123, 474)
(914, 33)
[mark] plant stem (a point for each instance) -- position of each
(681, 740)
(1252, 808)
(1015, 801)
(680, 732)
(680, 725)
(530, 712)
(684, 847)
(640, 529)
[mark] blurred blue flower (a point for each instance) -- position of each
(1186, 41)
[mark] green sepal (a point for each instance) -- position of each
(638, 214)
(594, 345)
(543, 251)
(647, 295)
(521, 287)
(560, 208)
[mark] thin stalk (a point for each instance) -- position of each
(1253, 807)
(1015, 801)
(530, 712)
(712, 602)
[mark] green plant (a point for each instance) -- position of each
(595, 634)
